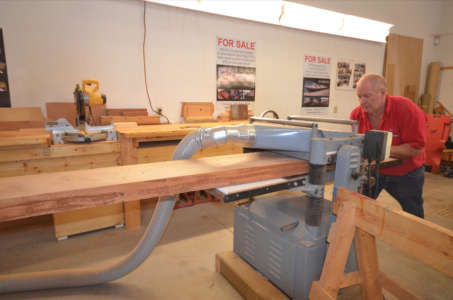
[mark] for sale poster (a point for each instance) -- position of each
(316, 85)
(235, 72)
(349, 72)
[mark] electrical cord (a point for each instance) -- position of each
(91, 115)
(377, 180)
(144, 63)
(369, 177)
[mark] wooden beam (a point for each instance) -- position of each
(245, 279)
(35, 195)
(340, 237)
(367, 260)
(350, 279)
(447, 68)
(141, 120)
(396, 289)
(427, 242)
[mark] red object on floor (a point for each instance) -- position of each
(192, 198)
(437, 132)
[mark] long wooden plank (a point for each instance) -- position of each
(34, 195)
(143, 120)
(245, 279)
(16, 125)
(433, 81)
(25, 140)
(59, 151)
(8, 114)
(119, 111)
(168, 130)
(427, 242)
(58, 164)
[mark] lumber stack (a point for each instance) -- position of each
(15, 118)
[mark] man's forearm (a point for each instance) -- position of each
(404, 151)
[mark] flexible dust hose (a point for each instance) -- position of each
(241, 135)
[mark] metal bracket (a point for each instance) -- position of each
(310, 190)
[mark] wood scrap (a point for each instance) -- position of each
(125, 125)
(58, 110)
(441, 105)
(439, 110)
(433, 81)
(186, 105)
(34, 195)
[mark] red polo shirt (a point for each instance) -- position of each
(407, 122)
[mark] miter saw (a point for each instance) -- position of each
(84, 97)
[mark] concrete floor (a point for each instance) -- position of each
(182, 266)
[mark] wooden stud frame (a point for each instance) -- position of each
(365, 220)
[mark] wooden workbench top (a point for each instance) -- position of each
(168, 129)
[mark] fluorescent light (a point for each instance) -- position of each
(289, 14)
(365, 29)
(311, 18)
(259, 11)
(187, 4)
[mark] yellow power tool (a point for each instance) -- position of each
(87, 97)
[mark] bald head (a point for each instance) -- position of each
(376, 81)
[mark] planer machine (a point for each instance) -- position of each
(84, 97)
(281, 232)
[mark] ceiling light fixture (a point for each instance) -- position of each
(292, 15)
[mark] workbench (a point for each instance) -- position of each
(156, 143)
(29, 152)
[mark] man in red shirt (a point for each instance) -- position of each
(407, 122)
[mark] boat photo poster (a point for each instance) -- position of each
(316, 85)
(349, 71)
(235, 71)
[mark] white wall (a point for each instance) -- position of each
(52, 45)
(444, 53)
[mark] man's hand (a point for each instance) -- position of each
(404, 151)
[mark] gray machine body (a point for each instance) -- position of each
(291, 259)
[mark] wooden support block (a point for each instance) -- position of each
(427, 242)
(367, 259)
(88, 219)
(23, 197)
(245, 279)
(144, 120)
(337, 254)
(439, 110)
(134, 113)
(58, 110)
(14, 114)
(119, 111)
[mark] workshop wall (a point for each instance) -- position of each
(52, 45)
(444, 53)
